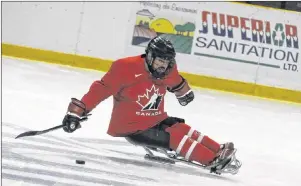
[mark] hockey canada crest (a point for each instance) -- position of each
(150, 100)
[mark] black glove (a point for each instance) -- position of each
(186, 98)
(76, 113)
(71, 123)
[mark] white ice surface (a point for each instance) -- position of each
(35, 97)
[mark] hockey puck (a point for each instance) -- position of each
(80, 162)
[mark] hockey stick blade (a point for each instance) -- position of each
(34, 133)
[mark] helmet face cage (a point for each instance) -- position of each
(162, 48)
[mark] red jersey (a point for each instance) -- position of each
(138, 97)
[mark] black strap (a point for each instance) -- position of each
(178, 87)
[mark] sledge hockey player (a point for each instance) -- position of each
(138, 85)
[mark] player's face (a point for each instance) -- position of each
(160, 65)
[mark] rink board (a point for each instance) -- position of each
(195, 80)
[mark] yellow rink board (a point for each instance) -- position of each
(195, 80)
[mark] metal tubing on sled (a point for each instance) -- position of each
(231, 167)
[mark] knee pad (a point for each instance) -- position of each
(179, 129)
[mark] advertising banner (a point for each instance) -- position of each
(223, 31)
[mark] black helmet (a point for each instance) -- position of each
(162, 48)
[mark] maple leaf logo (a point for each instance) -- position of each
(151, 100)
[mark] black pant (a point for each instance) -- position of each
(156, 136)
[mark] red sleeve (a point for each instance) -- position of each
(100, 90)
(174, 78)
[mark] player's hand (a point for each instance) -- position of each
(186, 98)
(75, 114)
(71, 122)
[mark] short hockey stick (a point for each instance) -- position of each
(34, 133)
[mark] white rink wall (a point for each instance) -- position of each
(73, 27)
(105, 30)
